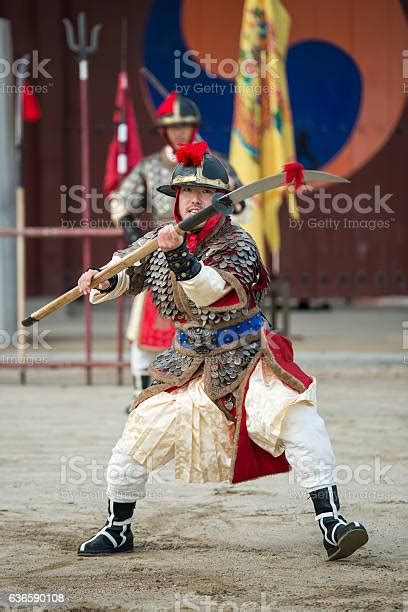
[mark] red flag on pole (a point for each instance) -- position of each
(31, 108)
(125, 150)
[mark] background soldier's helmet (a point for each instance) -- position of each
(177, 110)
(196, 168)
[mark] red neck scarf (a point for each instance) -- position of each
(193, 239)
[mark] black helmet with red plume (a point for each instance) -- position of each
(196, 168)
(177, 110)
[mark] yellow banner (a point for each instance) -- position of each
(262, 139)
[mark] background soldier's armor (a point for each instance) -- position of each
(138, 199)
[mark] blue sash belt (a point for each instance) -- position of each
(203, 339)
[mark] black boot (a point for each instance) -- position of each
(340, 538)
(115, 536)
(140, 383)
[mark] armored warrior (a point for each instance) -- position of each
(227, 401)
(138, 203)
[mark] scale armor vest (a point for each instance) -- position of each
(231, 251)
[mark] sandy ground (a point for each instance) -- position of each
(212, 547)
(221, 547)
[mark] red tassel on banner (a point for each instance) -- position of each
(294, 174)
(30, 106)
(191, 154)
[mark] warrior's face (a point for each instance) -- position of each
(193, 199)
(179, 133)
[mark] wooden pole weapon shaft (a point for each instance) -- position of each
(128, 260)
(74, 293)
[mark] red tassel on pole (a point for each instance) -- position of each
(294, 174)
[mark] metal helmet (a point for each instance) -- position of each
(196, 168)
(177, 110)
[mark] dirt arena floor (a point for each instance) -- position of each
(201, 547)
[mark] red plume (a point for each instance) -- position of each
(166, 107)
(294, 173)
(191, 154)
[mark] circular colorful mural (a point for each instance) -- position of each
(341, 59)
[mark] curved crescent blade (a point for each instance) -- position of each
(247, 191)
(324, 177)
(278, 180)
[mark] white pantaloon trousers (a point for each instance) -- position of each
(278, 419)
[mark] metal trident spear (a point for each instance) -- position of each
(83, 52)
